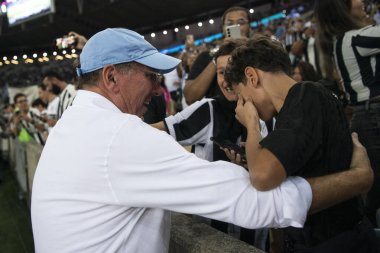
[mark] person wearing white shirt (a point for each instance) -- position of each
(50, 96)
(123, 176)
(52, 79)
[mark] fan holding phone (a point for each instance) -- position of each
(65, 42)
(227, 144)
(201, 81)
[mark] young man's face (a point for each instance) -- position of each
(221, 63)
(253, 90)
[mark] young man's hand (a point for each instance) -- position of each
(246, 113)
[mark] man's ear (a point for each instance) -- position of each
(109, 77)
(251, 76)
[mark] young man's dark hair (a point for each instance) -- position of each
(260, 52)
(228, 47)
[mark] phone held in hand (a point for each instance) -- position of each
(224, 143)
(65, 42)
(189, 40)
(233, 31)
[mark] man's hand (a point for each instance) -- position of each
(51, 122)
(360, 163)
(80, 39)
(246, 113)
(335, 188)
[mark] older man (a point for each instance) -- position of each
(118, 178)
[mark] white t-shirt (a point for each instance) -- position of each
(106, 181)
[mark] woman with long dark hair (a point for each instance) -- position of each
(353, 46)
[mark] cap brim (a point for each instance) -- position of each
(160, 62)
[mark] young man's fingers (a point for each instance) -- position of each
(240, 100)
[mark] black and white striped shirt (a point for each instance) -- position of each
(30, 128)
(200, 121)
(65, 99)
(357, 56)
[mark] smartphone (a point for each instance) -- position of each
(233, 31)
(65, 42)
(223, 143)
(190, 39)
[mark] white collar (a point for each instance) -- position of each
(90, 98)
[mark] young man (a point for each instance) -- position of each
(311, 139)
(27, 119)
(123, 176)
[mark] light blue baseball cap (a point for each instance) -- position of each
(119, 45)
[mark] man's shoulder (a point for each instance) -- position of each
(307, 91)
(71, 88)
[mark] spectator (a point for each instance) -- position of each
(304, 71)
(311, 138)
(26, 122)
(52, 78)
(346, 39)
(50, 96)
(110, 196)
(40, 105)
(202, 81)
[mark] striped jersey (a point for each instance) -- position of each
(65, 99)
(34, 115)
(200, 121)
(356, 55)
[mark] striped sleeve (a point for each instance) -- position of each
(367, 41)
(193, 124)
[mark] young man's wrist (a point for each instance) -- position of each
(254, 126)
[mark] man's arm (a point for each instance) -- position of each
(196, 89)
(332, 189)
(167, 177)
